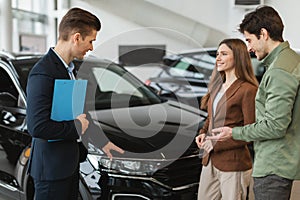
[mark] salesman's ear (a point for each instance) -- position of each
(76, 37)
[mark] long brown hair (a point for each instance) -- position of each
(243, 68)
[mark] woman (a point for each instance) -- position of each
(227, 165)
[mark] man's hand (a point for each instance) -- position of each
(221, 134)
(84, 122)
(110, 146)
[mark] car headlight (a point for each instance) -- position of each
(124, 165)
(132, 167)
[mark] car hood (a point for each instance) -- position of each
(151, 131)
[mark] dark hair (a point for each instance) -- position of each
(78, 20)
(263, 17)
(242, 64)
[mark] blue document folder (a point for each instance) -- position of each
(68, 99)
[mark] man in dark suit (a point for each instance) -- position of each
(54, 160)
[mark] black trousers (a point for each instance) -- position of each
(65, 189)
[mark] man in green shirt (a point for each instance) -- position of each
(276, 132)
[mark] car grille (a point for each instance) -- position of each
(183, 171)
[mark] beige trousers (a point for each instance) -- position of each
(215, 184)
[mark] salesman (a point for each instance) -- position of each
(56, 146)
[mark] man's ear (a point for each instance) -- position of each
(76, 37)
(264, 33)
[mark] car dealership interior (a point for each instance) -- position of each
(147, 52)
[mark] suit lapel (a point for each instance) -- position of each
(59, 64)
(228, 94)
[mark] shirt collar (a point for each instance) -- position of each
(68, 67)
(274, 53)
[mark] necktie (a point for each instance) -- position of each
(70, 70)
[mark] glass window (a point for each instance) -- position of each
(8, 92)
(110, 81)
(115, 87)
(29, 18)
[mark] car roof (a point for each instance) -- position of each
(18, 56)
(210, 50)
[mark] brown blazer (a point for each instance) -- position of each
(235, 108)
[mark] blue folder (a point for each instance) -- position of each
(68, 99)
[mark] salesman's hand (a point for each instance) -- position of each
(110, 146)
(84, 122)
(221, 134)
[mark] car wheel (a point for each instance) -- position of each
(29, 187)
(83, 193)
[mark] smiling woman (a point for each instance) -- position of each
(227, 103)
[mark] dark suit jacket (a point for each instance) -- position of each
(58, 159)
(235, 108)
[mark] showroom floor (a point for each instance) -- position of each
(295, 192)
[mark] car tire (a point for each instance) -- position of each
(28, 187)
(83, 193)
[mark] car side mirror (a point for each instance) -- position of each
(153, 89)
(163, 93)
(167, 94)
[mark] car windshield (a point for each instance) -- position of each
(204, 61)
(201, 63)
(179, 73)
(111, 86)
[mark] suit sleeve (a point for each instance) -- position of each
(204, 129)
(39, 103)
(248, 106)
(94, 134)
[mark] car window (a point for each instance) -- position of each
(203, 61)
(8, 92)
(178, 73)
(200, 69)
(116, 87)
(109, 81)
(23, 67)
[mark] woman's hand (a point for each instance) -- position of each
(207, 146)
(200, 139)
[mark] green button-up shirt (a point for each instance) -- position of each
(276, 132)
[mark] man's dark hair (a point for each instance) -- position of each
(80, 21)
(263, 17)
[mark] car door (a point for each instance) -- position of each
(13, 137)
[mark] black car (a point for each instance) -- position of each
(161, 159)
(172, 83)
